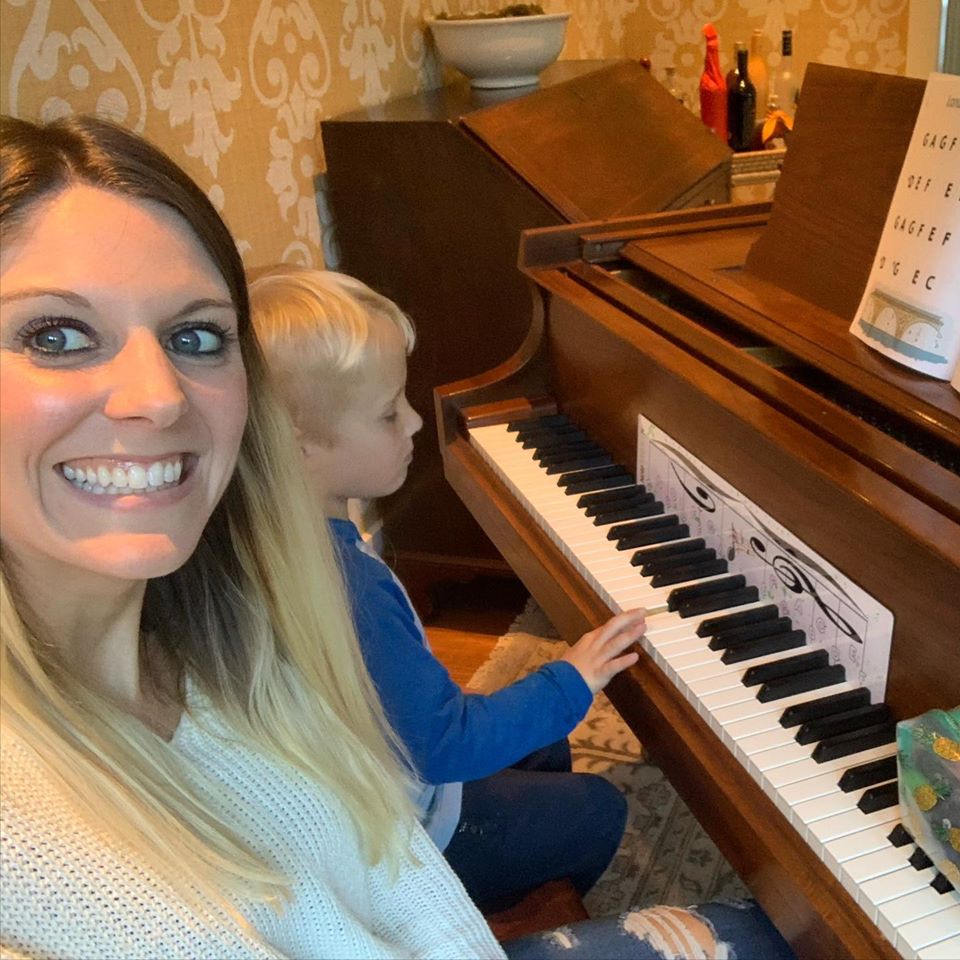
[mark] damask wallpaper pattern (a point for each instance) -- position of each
(235, 89)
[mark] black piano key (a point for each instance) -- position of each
(879, 798)
(597, 473)
(549, 420)
(899, 836)
(665, 530)
(552, 458)
(763, 672)
(763, 646)
(748, 631)
(533, 439)
(919, 860)
(572, 443)
(665, 550)
(674, 575)
(579, 463)
(616, 513)
(801, 683)
(856, 719)
(696, 590)
(548, 439)
(941, 884)
(824, 706)
(843, 744)
(686, 559)
(599, 510)
(729, 620)
(590, 500)
(718, 601)
(652, 522)
(867, 774)
(587, 481)
(628, 538)
(651, 514)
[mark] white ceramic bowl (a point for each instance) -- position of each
(501, 51)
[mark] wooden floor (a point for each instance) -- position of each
(467, 619)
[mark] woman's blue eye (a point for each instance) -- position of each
(59, 339)
(197, 341)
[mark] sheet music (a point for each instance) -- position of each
(836, 614)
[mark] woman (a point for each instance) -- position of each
(194, 761)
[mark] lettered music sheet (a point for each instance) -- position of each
(910, 309)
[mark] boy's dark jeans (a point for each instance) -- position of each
(534, 822)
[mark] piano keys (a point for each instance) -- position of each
(657, 317)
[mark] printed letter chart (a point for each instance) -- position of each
(910, 309)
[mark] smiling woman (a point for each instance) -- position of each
(169, 602)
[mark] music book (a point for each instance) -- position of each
(910, 309)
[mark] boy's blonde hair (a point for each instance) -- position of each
(316, 328)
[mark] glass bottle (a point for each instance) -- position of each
(742, 107)
(670, 82)
(785, 85)
(757, 65)
(713, 90)
(732, 72)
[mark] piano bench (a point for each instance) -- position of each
(549, 906)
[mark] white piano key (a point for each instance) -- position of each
(811, 788)
(810, 811)
(837, 852)
(830, 828)
(897, 913)
(917, 934)
(899, 883)
(944, 950)
(878, 863)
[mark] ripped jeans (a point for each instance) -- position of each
(730, 930)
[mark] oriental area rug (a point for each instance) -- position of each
(665, 856)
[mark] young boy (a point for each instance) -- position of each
(496, 791)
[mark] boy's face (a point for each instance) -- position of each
(371, 446)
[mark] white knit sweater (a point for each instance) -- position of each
(69, 890)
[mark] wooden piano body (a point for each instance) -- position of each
(429, 194)
(675, 316)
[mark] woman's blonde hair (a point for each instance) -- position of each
(318, 328)
(257, 616)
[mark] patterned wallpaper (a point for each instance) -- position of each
(235, 89)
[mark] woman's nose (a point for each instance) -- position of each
(144, 383)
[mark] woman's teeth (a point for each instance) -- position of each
(114, 480)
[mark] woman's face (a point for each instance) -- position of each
(122, 388)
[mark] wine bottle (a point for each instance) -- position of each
(742, 107)
(759, 76)
(786, 81)
(732, 72)
(713, 90)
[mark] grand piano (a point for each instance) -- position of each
(689, 427)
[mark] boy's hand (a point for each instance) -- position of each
(598, 655)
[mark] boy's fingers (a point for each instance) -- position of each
(621, 663)
(620, 641)
(622, 622)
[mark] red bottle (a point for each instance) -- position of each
(713, 86)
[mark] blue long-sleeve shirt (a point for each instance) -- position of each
(451, 736)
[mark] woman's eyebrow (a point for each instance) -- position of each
(204, 303)
(29, 292)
